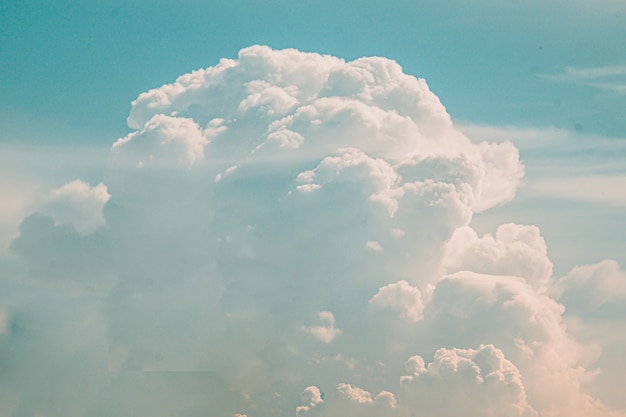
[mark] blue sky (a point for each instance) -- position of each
(77, 65)
(193, 224)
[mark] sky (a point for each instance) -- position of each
(312, 208)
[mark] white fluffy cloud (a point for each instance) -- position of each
(258, 194)
(348, 400)
(326, 330)
(528, 327)
(400, 297)
(502, 174)
(311, 397)
(77, 204)
(516, 250)
(470, 382)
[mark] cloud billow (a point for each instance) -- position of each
(287, 224)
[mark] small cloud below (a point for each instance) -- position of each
(326, 331)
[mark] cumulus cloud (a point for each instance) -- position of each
(383, 402)
(471, 382)
(262, 219)
(401, 297)
(77, 204)
(326, 331)
(517, 250)
(348, 400)
(528, 327)
(311, 397)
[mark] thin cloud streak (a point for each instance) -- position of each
(610, 77)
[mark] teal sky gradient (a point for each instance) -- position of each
(70, 68)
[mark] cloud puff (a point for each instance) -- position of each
(528, 327)
(348, 400)
(517, 250)
(472, 382)
(357, 398)
(401, 297)
(311, 397)
(77, 204)
(326, 331)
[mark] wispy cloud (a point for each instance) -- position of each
(601, 189)
(610, 77)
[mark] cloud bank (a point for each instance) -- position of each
(287, 233)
